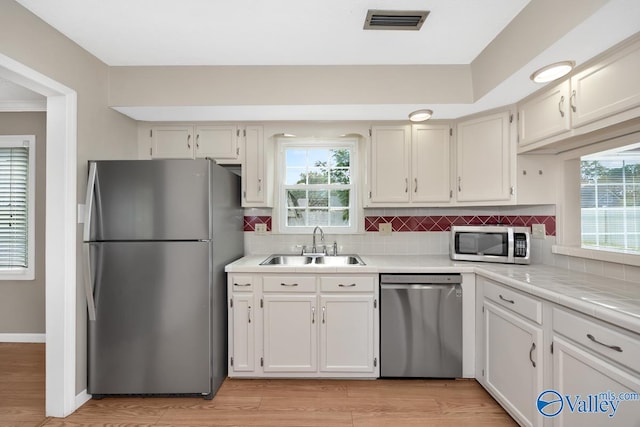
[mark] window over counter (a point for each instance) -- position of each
(610, 200)
(17, 196)
(317, 185)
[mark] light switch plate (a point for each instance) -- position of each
(261, 228)
(538, 231)
(384, 228)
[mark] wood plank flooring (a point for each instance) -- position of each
(255, 402)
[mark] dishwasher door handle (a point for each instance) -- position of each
(435, 287)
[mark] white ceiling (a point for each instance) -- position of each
(273, 32)
(307, 32)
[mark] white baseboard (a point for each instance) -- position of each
(27, 338)
(82, 398)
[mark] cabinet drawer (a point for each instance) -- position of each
(513, 300)
(290, 283)
(346, 284)
(241, 282)
(606, 340)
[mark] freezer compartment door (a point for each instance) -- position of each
(153, 318)
(421, 331)
(148, 200)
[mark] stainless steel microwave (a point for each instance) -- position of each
(491, 243)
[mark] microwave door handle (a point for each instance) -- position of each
(510, 246)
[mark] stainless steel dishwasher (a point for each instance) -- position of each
(421, 325)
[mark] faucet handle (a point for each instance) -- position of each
(335, 248)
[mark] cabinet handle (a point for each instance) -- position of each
(415, 187)
(188, 141)
(313, 315)
(510, 301)
(572, 101)
(259, 185)
(242, 285)
(249, 313)
(346, 286)
(198, 141)
(459, 184)
(533, 347)
(406, 185)
(612, 347)
(323, 314)
(561, 106)
(286, 284)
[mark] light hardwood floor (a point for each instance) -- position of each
(255, 402)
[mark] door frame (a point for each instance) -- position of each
(60, 252)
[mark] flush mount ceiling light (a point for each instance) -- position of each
(552, 72)
(420, 115)
(395, 19)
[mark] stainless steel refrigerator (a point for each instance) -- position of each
(157, 236)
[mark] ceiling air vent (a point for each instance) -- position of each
(395, 19)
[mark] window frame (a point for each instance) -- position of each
(321, 143)
(569, 224)
(21, 273)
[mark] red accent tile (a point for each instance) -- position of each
(443, 223)
(251, 221)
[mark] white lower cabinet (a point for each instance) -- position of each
(290, 333)
(531, 352)
(593, 363)
(585, 381)
(513, 362)
(346, 337)
(304, 325)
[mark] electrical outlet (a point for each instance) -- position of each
(538, 231)
(384, 228)
(261, 228)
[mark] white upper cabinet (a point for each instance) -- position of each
(389, 173)
(430, 164)
(611, 86)
(546, 115)
(605, 93)
(220, 142)
(256, 169)
(485, 159)
(171, 142)
(409, 165)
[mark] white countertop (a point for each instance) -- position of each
(612, 300)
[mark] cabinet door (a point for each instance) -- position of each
(513, 363)
(609, 87)
(430, 164)
(346, 333)
(546, 115)
(172, 142)
(290, 333)
(484, 158)
(390, 150)
(242, 337)
(218, 142)
(253, 176)
(578, 374)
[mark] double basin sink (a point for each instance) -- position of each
(332, 260)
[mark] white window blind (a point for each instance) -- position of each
(610, 200)
(14, 203)
(17, 195)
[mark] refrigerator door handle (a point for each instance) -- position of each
(88, 209)
(88, 281)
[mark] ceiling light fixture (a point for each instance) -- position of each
(552, 72)
(420, 115)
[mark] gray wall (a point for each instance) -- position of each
(22, 302)
(102, 133)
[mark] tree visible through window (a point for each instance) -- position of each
(610, 200)
(318, 186)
